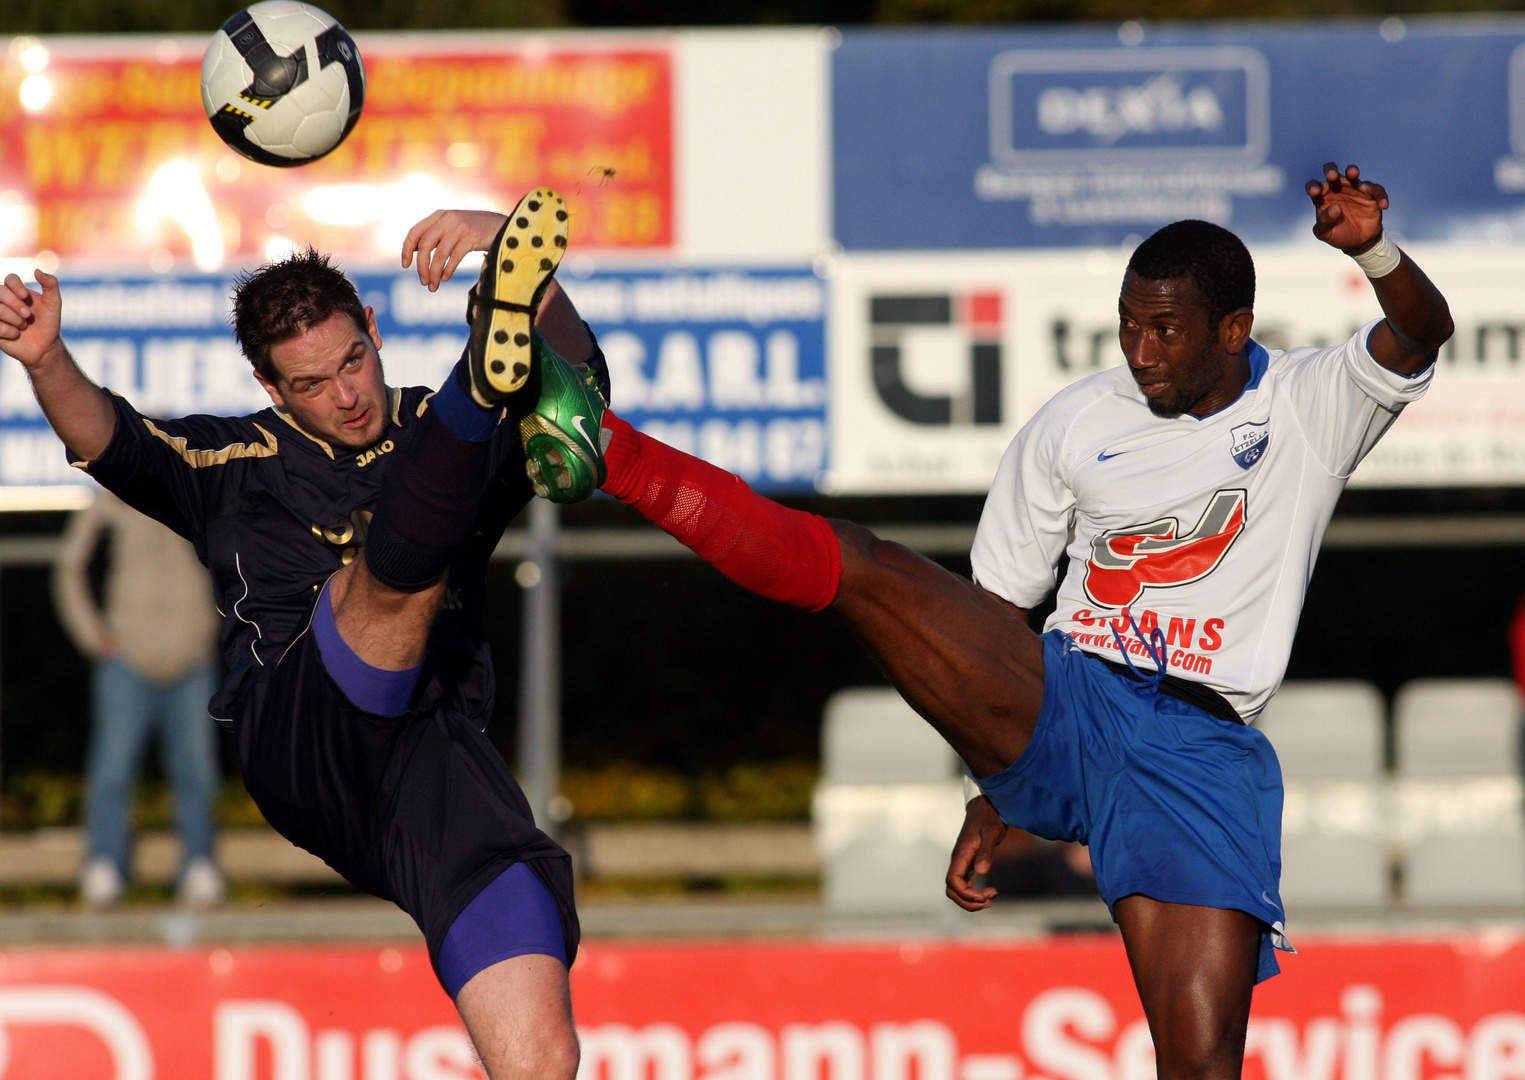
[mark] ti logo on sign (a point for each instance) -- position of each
(898, 326)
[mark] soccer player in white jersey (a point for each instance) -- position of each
(1190, 489)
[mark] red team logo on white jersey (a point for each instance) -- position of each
(1125, 562)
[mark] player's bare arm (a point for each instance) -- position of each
(78, 410)
(441, 240)
(1349, 217)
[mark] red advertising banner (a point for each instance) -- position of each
(1450, 1008)
(106, 155)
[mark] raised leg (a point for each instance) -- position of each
(964, 659)
(386, 627)
(1195, 970)
(968, 662)
(384, 605)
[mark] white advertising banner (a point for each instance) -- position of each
(938, 358)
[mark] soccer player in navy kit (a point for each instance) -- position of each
(348, 529)
(1190, 488)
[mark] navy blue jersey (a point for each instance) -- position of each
(273, 512)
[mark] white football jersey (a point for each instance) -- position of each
(1206, 528)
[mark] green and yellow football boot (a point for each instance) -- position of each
(563, 434)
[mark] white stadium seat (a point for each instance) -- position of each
(871, 736)
(888, 808)
(1326, 729)
(1329, 738)
(1334, 845)
(1457, 727)
(1459, 805)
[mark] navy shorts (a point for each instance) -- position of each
(1175, 804)
(418, 808)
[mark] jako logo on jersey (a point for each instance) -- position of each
(1250, 442)
(1125, 562)
(365, 457)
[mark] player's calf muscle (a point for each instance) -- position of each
(962, 658)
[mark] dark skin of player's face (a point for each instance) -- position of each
(1181, 362)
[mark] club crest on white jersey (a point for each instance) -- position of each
(1124, 562)
(1250, 442)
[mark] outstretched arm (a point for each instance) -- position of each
(441, 240)
(78, 410)
(1349, 216)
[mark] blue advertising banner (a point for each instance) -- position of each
(728, 364)
(1092, 135)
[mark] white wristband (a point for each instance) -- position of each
(971, 790)
(1381, 260)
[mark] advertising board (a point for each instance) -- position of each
(1372, 1009)
(109, 158)
(729, 364)
(968, 139)
(1020, 164)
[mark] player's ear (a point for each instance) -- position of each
(275, 395)
(371, 328)
(1234, 330)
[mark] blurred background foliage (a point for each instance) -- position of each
(163, 16)
(45, 799)
(766, 791)
(770, 791)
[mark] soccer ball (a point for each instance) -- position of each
(282, 83)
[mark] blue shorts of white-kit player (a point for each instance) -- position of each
(1175, 804)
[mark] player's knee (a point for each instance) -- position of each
(553, 1055)
(1201, 1052)
(563, 1061)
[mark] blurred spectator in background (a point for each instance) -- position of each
(137, 602)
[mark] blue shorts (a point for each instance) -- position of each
(514, 916)
(1175, 804)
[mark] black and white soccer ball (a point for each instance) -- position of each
(282, 83)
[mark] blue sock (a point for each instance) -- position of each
(370, 689)
(458, 410)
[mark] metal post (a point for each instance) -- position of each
(540, 666)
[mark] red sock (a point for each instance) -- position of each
(782, 554)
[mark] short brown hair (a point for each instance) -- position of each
(283, 299)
